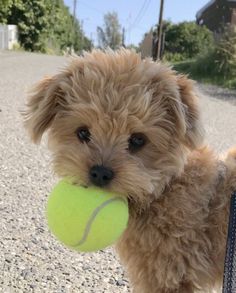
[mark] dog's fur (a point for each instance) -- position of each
(178, 189)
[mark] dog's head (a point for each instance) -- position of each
(117, 121)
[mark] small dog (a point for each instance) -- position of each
(133, 126)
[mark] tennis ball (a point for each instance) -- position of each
(86, 219)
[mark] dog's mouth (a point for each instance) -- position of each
(111, 188)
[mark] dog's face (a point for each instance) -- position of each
(117, 122)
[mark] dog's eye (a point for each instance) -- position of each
(136, 141)
(83, 134)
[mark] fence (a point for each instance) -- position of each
(8, 36)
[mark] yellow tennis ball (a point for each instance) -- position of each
(86, 219)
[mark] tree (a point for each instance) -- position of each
(31, 17)
(43, 25)
(110, 35)
(187, 39)
(65, 31)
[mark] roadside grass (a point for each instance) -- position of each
(201, 70)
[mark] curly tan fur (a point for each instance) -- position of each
(178, 190)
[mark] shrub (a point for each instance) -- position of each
(173, 57)
(220, 60)
(186, 40)
(225, 53)
(217, 65)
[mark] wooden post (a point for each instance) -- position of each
(159, 31)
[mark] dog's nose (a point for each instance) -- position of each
(100, 175)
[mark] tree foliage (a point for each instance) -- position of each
(225, 53)
(110, 35)
(187, 39)
(44, 24)
(219, 61)
(216, 65)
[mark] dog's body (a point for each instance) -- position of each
(133, 126)
(178, 243)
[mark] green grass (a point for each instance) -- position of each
(199, 72)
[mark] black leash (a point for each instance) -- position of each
(229, 283)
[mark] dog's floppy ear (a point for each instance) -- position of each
(194, 131)
(45, 101)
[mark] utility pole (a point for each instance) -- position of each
(82, 34)
(123, 37)
(74, 22)
(157, 54)
(74, 9)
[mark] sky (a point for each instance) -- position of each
(136, 16)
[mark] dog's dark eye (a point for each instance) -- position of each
(136, 141)
(83, 134)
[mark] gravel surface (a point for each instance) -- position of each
(30, 258)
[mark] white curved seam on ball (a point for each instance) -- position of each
(93, 216)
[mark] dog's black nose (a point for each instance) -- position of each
(100, 175)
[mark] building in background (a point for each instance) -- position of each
(216, 14)
(146, 45)
(8, 36)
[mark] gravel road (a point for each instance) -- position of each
(30, 258)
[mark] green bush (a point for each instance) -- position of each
(219, 61)
(186, 40)
(217, 65)
(44, 25)
(225, 53)
(173, 57)
(17, 47)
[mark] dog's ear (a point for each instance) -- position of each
(174, 94)
(193, 131)
(45, 101)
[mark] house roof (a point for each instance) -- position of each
(200, 12)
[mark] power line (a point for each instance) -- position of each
(132, 26)
(92, 7)
(103, 12)
(140, 11)
(143, 13)
(140, 14)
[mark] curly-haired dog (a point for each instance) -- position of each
(132, 126)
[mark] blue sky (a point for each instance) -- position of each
(136, 16)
